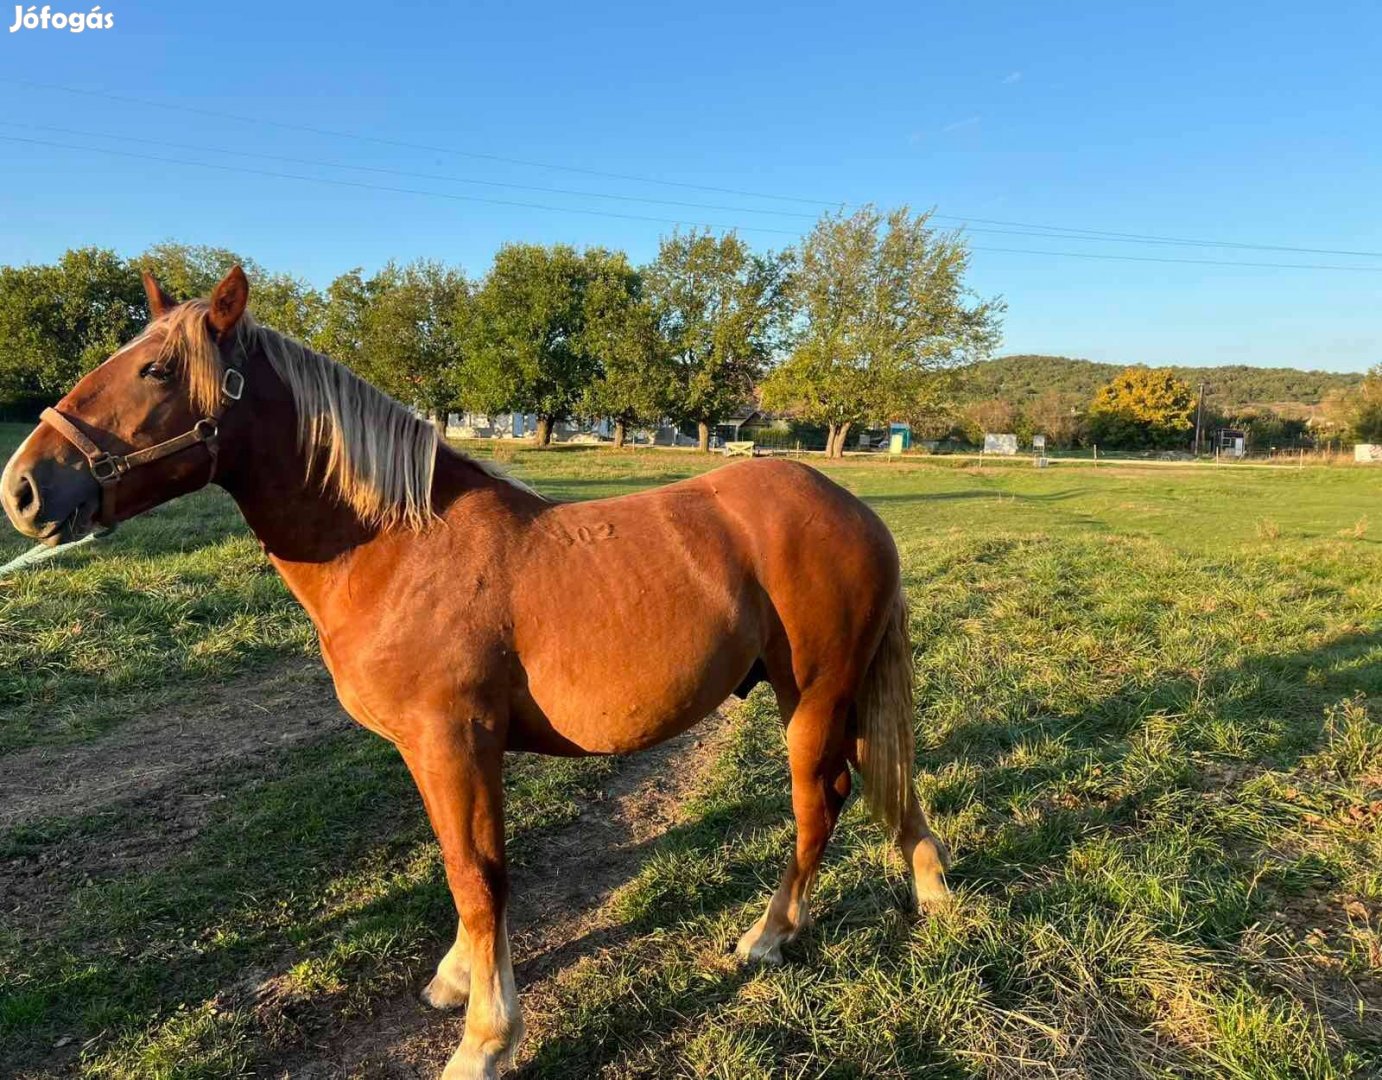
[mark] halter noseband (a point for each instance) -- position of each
(109, 469)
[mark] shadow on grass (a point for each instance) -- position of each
(313, 886)
(1276, 700)
(247, 895)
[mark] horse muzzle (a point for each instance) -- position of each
(47, 500)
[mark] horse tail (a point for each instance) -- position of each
(887, 741)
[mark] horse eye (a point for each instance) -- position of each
(155, 371)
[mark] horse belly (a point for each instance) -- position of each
(611, 688)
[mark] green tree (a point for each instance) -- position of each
(528, 350)
(993, 416)
(60, 320)
(635, 383)
(413, 342)
(289, 305)
(885, 307)
(402, 329)
(341, 333)
(187, 271)
(1143, 407)
(281, 301)
(722, 311)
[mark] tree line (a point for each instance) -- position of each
(1021, 379)
(857, 326)
(1142, 408)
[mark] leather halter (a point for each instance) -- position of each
(109, 469)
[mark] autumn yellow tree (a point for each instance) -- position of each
(1142, 408)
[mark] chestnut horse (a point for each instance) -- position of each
(439, 589)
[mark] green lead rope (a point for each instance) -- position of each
(39, 552)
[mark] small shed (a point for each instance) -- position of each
(1231, 443)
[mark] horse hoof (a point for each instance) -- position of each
(471, 1068)
(486, 1062)
(932, 894)
(758, 947)
(442, 993)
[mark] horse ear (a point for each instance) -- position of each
(160, 303)
(229, 300)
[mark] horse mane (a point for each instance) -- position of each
(373, 452)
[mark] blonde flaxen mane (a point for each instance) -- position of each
(371, 451)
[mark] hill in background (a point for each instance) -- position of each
(1022, 378)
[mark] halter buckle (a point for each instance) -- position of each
(232, 384)
(107, 468)
(207, 428)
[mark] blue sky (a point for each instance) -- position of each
(1242, 123)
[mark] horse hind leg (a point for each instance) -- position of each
(816, 754)
(926, 857)
(886, 753)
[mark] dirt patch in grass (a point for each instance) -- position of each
(559, 912)
(133, 799)
(140, 797)
(161, 753)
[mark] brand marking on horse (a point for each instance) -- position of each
(583, 534)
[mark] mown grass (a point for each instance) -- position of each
(1148, 730)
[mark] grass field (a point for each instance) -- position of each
(1147, 705)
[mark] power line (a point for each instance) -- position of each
(337, 182)
(1188, 262)
(361, 185)
(1019, 229)
(445, 178)
(1146, 238)
(974, 223)
(403, 144)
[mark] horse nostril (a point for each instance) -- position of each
(25, 498)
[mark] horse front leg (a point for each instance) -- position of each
(450, 986)
(458, 767)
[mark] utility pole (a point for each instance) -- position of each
(1199, 420)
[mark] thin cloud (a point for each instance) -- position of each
(960, 125)
(1012, 77)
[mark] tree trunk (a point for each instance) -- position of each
(841, 438)
(439, 422)
(618, 434)
(835, 441)
(542, 436)
(703, 437)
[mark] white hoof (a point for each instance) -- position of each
(930, 860)
(759, 945)
(932, 893)
(445, 993)
(471, 1067)
(483, 1062)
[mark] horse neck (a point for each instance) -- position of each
(310, 536)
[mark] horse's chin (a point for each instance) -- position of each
(76, 527)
